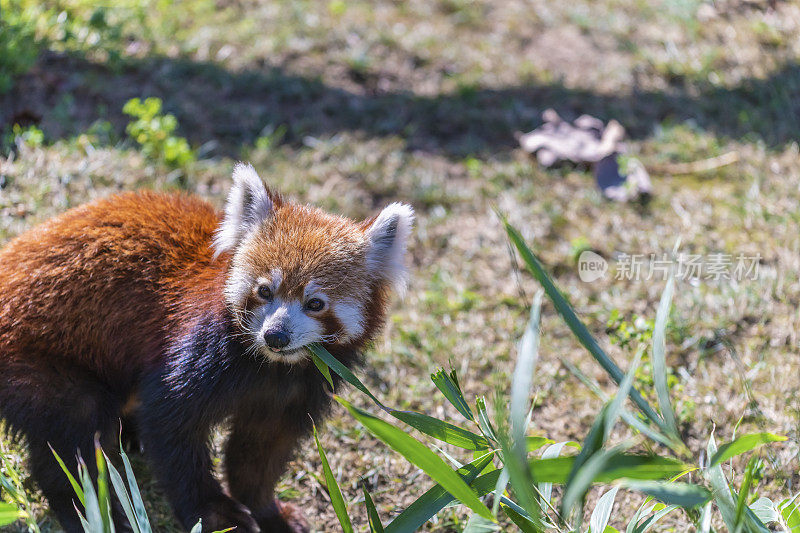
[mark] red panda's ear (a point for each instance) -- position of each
(388, 238)
(249, 204)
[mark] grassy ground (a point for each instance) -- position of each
(350, 105)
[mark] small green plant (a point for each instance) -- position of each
(154, 133)
(31, 136)
(270, 137)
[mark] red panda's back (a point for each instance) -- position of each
(104, 284)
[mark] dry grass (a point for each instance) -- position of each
(418, 101)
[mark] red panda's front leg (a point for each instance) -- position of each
(256, 454)
(175, 437)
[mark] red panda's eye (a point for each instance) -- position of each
(315, 304)
(265, 292)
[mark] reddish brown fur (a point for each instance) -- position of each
(151, 249)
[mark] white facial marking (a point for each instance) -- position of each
(273, 281)
(238, 286)
(350, 313)
(289, 317)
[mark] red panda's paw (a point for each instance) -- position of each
(228, 513)
(288, 519)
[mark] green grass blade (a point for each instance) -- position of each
(743, 444)
(642, 510)
(87, 527)
(435, 499)
(418, 454)
(705, 519)
(659, 360)
(790, 513)
(337, 500)
(448, 386)
(375, 524)
(686, 495)
(122, 495)
(9, 513)
(136, 496)
(578, 328)
(515, 448)
(72, 481)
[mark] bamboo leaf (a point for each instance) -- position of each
(578, 328)
(337, 500)
(435, 499)
(323, 368)
(741, 445)
(602, 511)
(421, 456)
(136, 497)
(653, 520)
(92, 505)
(433, 427)
(72, 481)
(616, 404)
(478, 524)
(449, 387)
(522, 378)
(122, 495)
(375, 524)
(684, 495)
(103, 496)
(659, 358)
(619, 465)
(524, 524)
(9, 513)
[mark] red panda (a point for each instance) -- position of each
(156, 309)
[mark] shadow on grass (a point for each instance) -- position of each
(65, 94)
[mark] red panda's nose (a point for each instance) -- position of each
(276, 339)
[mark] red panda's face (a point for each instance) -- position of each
(299, 275)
